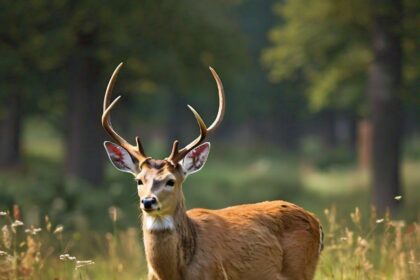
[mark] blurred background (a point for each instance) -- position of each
(323, 103)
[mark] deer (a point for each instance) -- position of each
(267, 240)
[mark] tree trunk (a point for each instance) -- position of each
(84, 152)
(10, 132)
(364, 145)
(386, 109)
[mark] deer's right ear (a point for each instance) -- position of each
(120, 158)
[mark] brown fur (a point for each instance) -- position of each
(268, 240)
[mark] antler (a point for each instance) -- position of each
(176, 154)
(135, 151)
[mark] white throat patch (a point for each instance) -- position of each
(152, 223)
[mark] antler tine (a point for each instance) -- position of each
(176, 155)
(110, 86)
(174, 152)
(203, 131)
(138, 151)
(221, 94)
(140, 146)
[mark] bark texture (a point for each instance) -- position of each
(10, 132)
(386, 108)
(84, 152)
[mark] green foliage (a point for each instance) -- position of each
(313, 44)
(326, 44)
(167, 47)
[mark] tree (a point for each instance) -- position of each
(278, 107)
(10, 131)
(312, 47)
(384, 88)
(26, 55)
(327, 46)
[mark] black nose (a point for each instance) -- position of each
(148, 202)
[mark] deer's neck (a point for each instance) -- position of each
(169, 244)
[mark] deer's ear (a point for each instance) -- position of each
(195, 159)
(120, 158)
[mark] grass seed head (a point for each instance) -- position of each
(355, 216)
(59, 229)
(67, 257)
(113, 213)
(17, 223)
(80, 264)
(3, 253)
(48, 224)
(379, 221)
(7, 237)
(32, 230)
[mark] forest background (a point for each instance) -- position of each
(322, 107)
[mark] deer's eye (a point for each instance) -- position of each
(170, 183)
(139, 182)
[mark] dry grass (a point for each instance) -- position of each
(364, 247)
(43, 253)
(382, 249)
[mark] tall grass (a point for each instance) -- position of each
(364, 246)
(49, 252)
(376, 248)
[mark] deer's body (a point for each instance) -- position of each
(269, 240)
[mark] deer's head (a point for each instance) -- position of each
(159, 182)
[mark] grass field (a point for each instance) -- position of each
(74, 231)
(381, 248)
(359, 244)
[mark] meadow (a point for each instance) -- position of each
(69, 230)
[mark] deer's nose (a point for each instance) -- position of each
(148, 202)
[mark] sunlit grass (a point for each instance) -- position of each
(335, 181)
(350, 187)
(41, 140)
(379, 248)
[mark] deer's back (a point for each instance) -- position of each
(267, 240)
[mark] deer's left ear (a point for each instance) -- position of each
(195, 159)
